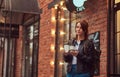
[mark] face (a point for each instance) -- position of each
(79, 30)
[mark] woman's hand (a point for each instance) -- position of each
(65, 53)
(74, 52)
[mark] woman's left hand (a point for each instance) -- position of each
(74, 53)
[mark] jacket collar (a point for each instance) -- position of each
(75, 42)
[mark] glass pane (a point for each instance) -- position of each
(31, 50)
(66, 31)
(1, 54)
(118, 64)
(118, 43)
(31, 32)
(117, 1)
(118, 21)
(66, 26)
(69, 34)
(36, 29)
(73, 29)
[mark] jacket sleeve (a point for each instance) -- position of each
(88, 55)
(67, 57)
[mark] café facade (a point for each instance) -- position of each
(33, 35)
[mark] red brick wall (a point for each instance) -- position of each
(18, 58)
(45, 54)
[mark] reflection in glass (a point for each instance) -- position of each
(69, 29)
(117, 1)
(118, 21)
(31, 50)
(118, 43)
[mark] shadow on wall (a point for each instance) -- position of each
(92, 5)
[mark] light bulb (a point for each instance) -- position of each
(52, 47)
(52, 63)
(53, 32)
(61, 63)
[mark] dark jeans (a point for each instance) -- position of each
(73, 73)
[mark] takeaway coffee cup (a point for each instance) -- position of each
(66, 47)
(72, 48)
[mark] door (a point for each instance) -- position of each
(117, 38)
(8, 36)
(114, 49)
(30, 53)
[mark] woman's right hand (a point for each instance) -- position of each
(74, 52)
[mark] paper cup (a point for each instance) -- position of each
(72, 47)
(66, 48)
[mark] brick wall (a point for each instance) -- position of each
(45, 54)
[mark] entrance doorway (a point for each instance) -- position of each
(8, 36)
(114, 46)
(117, 39)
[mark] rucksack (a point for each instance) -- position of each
(96, 57)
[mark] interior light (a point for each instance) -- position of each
(62, 33)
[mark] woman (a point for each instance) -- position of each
(80, 61)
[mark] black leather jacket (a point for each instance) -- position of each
(84, 57)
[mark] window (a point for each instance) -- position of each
(117, 51)
(114, 47)
(8, 36)
(117, 1)
(30, 55)
(1, 54)
(69, 29)
(7, 56)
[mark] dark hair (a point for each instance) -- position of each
(84, 26)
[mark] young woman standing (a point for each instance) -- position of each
(80, 61)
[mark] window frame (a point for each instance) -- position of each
(34, 72)
(112, 10)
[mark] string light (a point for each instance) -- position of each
(53, 32)
(62, 19)
(64, 8)
(51, 63)
(61, 48)
(53, 19)
(61, 3)
(52, 47)
(61, 63)
(56, 6)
